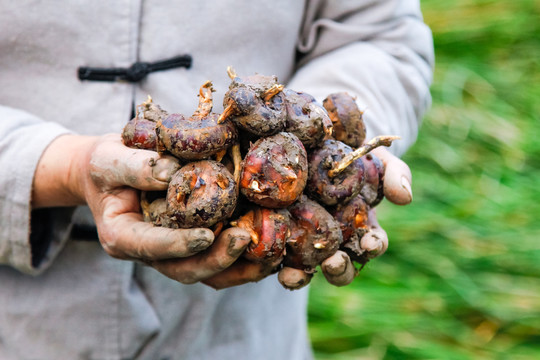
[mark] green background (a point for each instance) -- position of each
(461, 278)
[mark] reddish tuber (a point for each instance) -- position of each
(269, 230)
(315, 235)
(140, 132)
(274, 171)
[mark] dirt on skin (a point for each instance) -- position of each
(353, 219)
(306, 119)
(254, 106)
(200, 194)
(269, 230)
(199, 136)
(195, 138)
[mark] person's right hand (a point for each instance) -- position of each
(105, 174)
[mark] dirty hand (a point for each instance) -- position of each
(103, 173)
(339, 269)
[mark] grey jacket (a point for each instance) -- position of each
(73, 301)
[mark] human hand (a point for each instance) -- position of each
(103, 173)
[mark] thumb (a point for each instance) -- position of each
(112, 164)
(397, 178)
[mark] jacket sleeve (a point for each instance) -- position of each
(379, 51)
(23, 138)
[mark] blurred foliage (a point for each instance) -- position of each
(461, 278)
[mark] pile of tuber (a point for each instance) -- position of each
(303, 188)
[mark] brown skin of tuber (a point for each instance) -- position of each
(199, 136)
(140, 134)
(364, 239)
(353, 219)
(337, 268)
(255, 104)
(340, 188)
(306, 118)
(274, 171)
(200, 194)
(347, 119)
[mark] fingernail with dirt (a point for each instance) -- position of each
(200, 240)
(164, 169)
(237, 245)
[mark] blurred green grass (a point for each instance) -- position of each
(461, 278)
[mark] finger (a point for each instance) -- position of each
(338, 269)
(217, 258)
(375, 241)
(293, 279)
(241, 272)
(112, 164)
(397, 178)
(124, 234)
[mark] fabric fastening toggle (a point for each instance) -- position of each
(135, 72)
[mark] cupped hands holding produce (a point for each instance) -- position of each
(300, 197)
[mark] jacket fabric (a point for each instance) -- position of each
(69, 299)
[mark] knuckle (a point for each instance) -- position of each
(109, 244)
(221, 263)
(111, 250)
(187, 278)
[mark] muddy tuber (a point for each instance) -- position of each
(274, 171)
(199, 136)
(140, 132)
